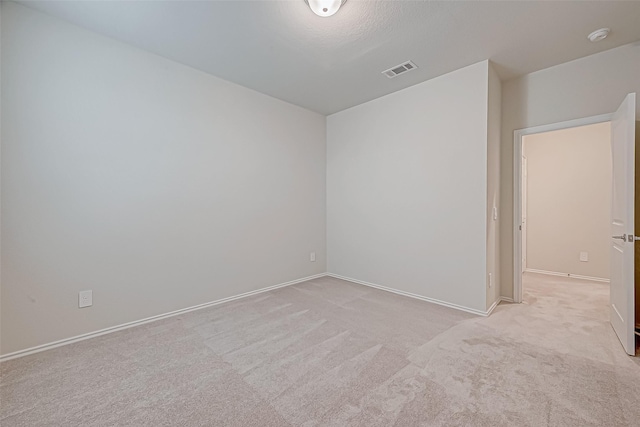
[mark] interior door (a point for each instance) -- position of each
(622, 298)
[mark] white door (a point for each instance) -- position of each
(524, 212)
(622, 227)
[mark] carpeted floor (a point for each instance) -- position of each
(332, 353)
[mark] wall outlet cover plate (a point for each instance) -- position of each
(85, 299)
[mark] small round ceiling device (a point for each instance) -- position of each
(325, 8)
(598, 35)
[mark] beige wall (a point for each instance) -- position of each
(585, 87)
(569, 200)
(155, 185)
(407, 189)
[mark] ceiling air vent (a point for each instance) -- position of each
(399, 69)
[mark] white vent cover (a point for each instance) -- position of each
(399, 69)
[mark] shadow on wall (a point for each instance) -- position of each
(509, 115)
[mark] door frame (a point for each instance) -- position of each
(517, 186)
(524, 204)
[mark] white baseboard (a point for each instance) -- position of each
(506, 299)
(420, 297)
(128, 325)
(573, 276)
(493, 307)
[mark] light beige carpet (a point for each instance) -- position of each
(333, 353)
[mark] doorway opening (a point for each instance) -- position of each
(623, 241)
(566, 219)
(562, 213)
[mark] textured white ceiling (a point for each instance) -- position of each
(328, 64)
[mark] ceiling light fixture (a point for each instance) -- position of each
(325, 8)
(598, 35)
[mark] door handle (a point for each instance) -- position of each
(623, 237)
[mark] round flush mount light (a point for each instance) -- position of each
(598, 35)
(325, 8)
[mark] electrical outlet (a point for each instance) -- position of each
(312, 257)
(85, 299)
(490, 280)
(584, 256)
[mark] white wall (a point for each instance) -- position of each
(155, 185)
(1, 12)
(569, 200)
(494, 115)
(637, 221)
(407, 189)
(585, 87)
